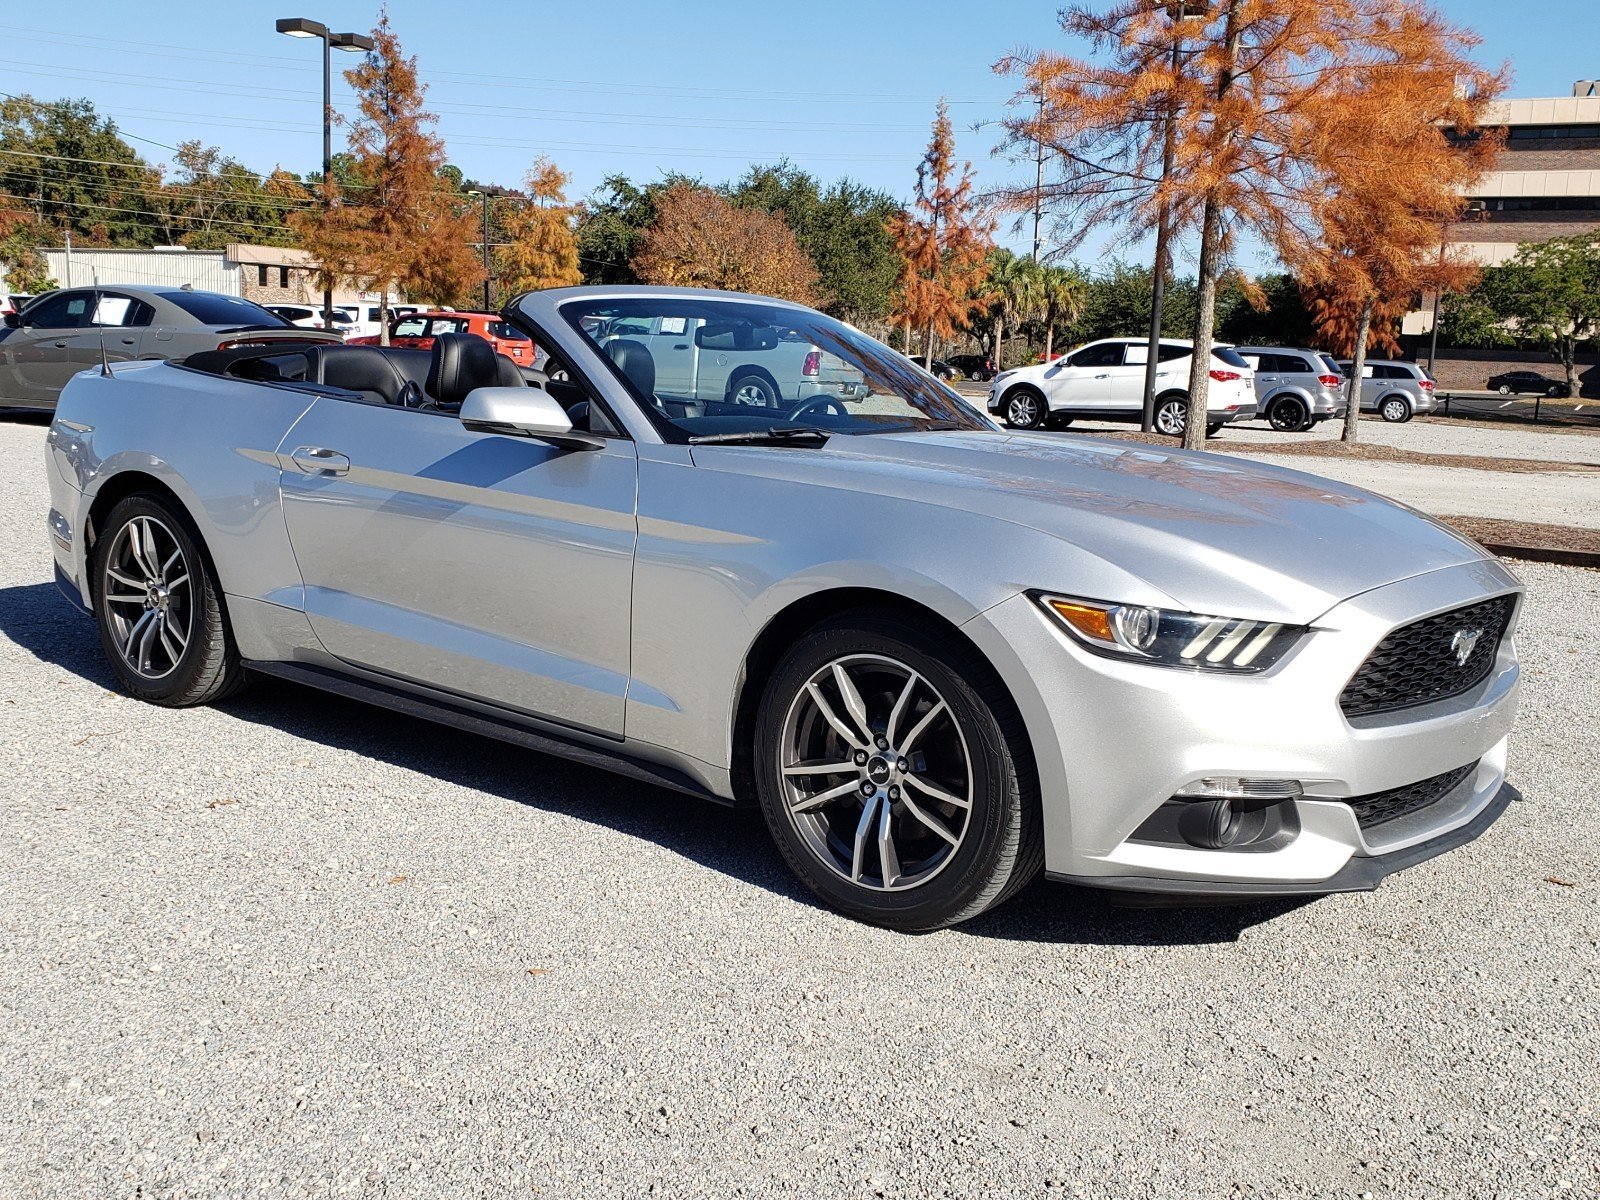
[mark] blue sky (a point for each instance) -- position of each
(841, 88)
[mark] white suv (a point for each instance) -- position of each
(1105, 380)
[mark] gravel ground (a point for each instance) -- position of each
(292, 946)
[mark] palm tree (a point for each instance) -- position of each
(1063, 294)
(1017, 293)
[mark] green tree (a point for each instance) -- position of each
(70, 168)
(20, 239)
(612, 223)
(1551, 291)
(1283, 321)
(1064, 294)
(1016, 294)
(843, 230)
(214, 200)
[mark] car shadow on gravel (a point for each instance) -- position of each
(26, 416)
(731, 841)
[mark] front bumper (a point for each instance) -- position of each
(1114, 741)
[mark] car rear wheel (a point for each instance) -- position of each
(1505, 389)
(1553, 392)
(1172, 414)
(754, 390)
(158, 607)
(893, 774)
(1395, 409)
(1288, 414)
(1025, 408)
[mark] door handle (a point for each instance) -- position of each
(61, 345)
(129, 341)
(314, 460)
(1107, 376)
(681, 346)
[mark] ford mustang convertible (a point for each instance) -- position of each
(940, 656)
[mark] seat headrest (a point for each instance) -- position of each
(461, 363)
(633, 359)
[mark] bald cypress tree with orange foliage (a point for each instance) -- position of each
(543, 249)
(944, 243)
(1255, 94)
(699, 239)
(396, 219)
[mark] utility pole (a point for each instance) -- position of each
(484, 196)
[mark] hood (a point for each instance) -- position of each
(1218, 534)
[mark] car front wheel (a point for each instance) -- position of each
(1025, 409)
(1505, 389)
(1395, 409)
(158, 606)
(893, 773)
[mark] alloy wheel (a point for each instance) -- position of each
(1171, 417)
(876, 776)
(1022, 410)
(149, 598)
(1287, 416)
(753, 392)
(1394, 410)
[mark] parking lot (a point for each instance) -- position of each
(292, 945)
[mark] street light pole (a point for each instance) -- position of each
(355, 43)
(1179, 11)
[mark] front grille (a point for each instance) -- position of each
(1418, 663)
(1382, 807)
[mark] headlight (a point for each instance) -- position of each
(1165, 638)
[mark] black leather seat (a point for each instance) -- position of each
(366, 370)
(634, 360)
(463, 362)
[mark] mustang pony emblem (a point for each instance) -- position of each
(1463, 644)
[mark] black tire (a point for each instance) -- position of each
(1001, 847)
(1553, 392)
(1171, 414)
(1395, 409)
(1214, 428)
(752, 389)
(1289, 414)
(1024, 408)
(1505, 389)
(1057, 421)
(207, 669)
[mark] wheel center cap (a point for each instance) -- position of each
(879, 770)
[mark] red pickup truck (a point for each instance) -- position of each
(416, 331)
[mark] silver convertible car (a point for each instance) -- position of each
(940, 656)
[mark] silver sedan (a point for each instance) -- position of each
(940, 657)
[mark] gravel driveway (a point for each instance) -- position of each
(292, 946)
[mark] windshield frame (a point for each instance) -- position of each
(967, 415)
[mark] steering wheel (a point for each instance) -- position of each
(820, 405)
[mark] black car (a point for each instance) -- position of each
(977, 367)
(940, 369)
(1509, 383)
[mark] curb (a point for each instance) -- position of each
(1546, 554)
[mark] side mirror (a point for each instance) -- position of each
(13, 320)
(528, 412)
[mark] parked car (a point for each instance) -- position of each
(64, 332)
(940, 370)
(939, 656)
(1104, 380)
(1295, 389)
(417, 331)
(1394, 390)
(733, 362)
(977, 367)
(1509, 383)
(305, 317)
(367, 319)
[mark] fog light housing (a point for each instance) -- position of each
(1232, 787)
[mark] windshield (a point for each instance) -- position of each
(210, 308)
(702, 367)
